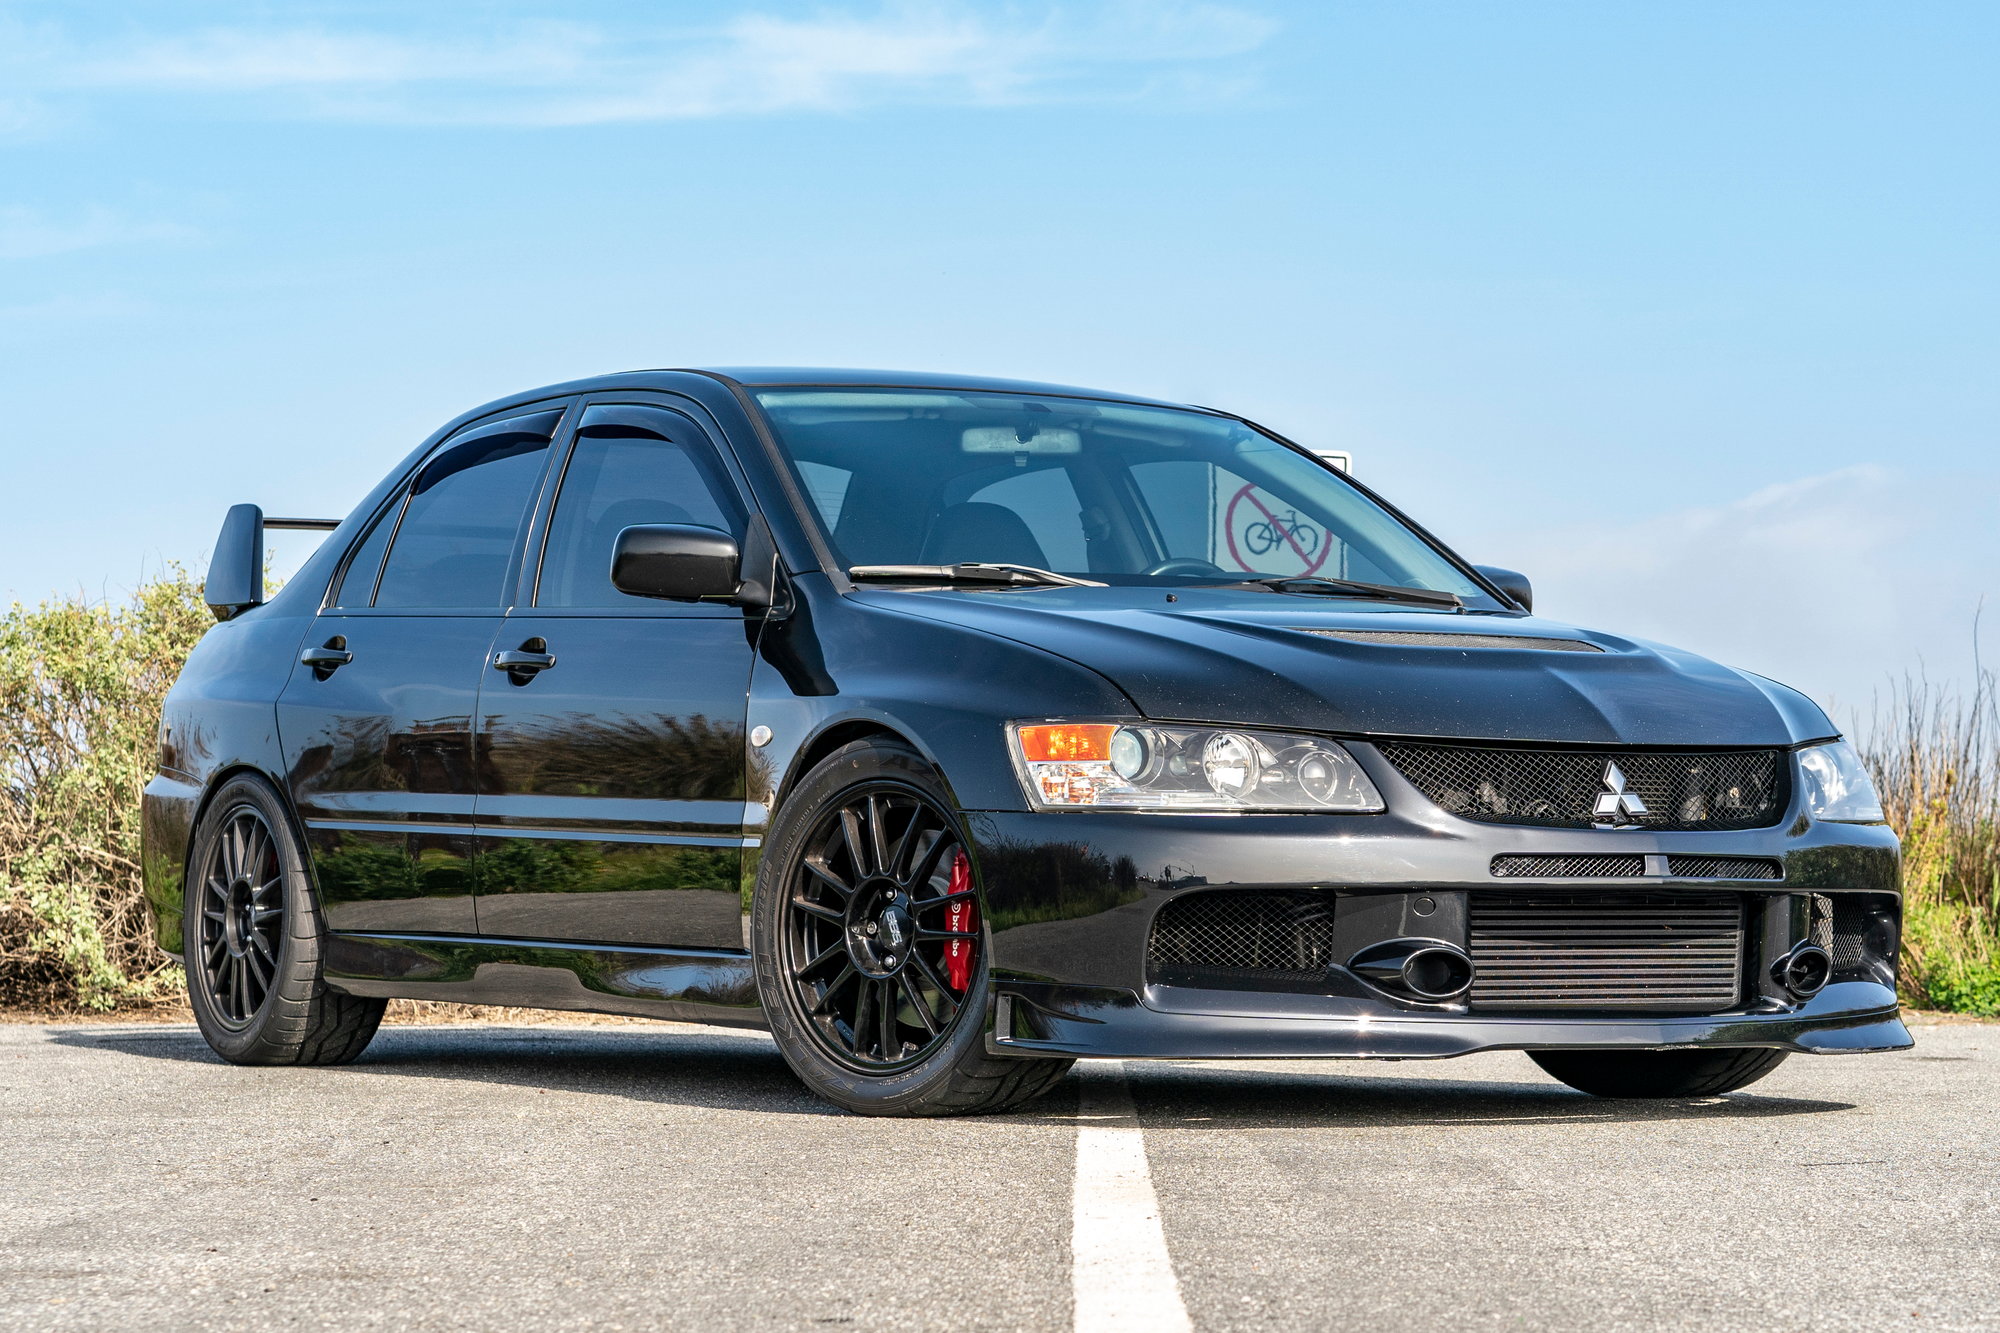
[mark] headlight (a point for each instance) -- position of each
(1837, 785)
(1106, 765)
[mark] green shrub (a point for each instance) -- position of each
(80, 690)
(1936, 757)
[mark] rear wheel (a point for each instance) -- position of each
(251, 938)
(870, 956)
(1702, 1073)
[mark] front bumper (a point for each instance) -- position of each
(1846, 1018)
(1071, 900)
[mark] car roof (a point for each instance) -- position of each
(765, 377)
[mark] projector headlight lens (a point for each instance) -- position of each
(1231, 765)
(1129, 753)
(1141, 766)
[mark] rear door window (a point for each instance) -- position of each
(357, 584)
(461, 523)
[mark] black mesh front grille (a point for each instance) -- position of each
(1725, 867)
(1242, 940)
(1657, 953)
(1569, 867)
(1684, 789)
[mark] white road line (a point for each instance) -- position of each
(1120, 1272)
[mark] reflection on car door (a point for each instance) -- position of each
(611, 800)
(376, 720)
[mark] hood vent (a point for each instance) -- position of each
(1422, 639)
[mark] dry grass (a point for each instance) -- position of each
(1935, 754)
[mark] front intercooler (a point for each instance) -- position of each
(1658, 953)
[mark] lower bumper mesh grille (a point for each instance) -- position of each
(1629, 865)
(1622, 865)
(1725, 867)
(1840, 927)
(1246, 940)
(1659, 953)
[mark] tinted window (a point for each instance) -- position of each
(828, 487)
(464, 515)
(357, 585)
(1106, 489)
(1045, 528)
(630, 465)
(1216, 516)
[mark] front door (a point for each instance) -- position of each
(610, 807)
(376, 720)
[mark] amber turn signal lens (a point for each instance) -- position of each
(1066, 743)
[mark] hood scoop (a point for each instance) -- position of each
(1433, 639)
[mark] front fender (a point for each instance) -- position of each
(946, 689)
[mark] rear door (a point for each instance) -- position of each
(377, 725)
(611, 801)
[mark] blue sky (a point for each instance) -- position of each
(1691, 310)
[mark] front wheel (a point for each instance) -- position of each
(1701, 1073)
(251, 938)
(870, 953)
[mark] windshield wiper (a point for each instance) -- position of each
(997, 575)
(1388, 592)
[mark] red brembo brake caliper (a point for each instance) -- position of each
(960, 914)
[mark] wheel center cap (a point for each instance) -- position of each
(897, 928)
(880, 929)
(236, 918)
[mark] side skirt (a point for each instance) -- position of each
(684, 985)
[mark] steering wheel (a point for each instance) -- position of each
(1186, 564)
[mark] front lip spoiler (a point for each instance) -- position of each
(1105, 1022)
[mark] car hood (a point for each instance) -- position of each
(1278, 659)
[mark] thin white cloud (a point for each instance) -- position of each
(28, 234)
(561, 73)
(1833, 583)
(224, 60)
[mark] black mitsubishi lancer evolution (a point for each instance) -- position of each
(953, 729)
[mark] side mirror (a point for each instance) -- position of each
(1511, 582)
(678, 562)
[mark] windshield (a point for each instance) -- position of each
(1112, 492)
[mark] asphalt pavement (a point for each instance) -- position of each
(660, 1176)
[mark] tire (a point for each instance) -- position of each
(888, 934)
(252, 941)
(1702, 1073)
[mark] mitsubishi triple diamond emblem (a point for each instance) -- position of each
(1617, 805)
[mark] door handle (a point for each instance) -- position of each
(327, 659)
(521, 664)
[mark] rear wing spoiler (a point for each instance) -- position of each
(236, 571)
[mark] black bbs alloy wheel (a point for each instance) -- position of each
(881, 929)
(242, 917)
(252, 941)
(870, 948)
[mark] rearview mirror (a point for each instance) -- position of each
(679, 562)
(1511, 582)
